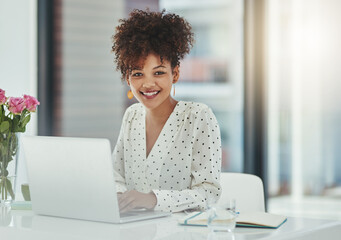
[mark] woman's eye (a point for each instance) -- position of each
(138, 74)
(159, 73)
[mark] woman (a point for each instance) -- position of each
(168, 154)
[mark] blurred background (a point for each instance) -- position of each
(269, 69)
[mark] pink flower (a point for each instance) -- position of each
(3, 98)
(31, 103)
(16, 105)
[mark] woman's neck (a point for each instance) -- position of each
(160, 114)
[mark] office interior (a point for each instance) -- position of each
(269, 69)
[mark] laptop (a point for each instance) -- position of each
(74, 178)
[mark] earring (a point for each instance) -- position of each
(173, 90)
(130, 94)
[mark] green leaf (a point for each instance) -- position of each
(25, 120)
(9, 188)
(15, 122)
(2, 187)
(4, 126)
(20, 129)
(25, 189)
(5, 173)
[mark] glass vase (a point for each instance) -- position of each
(9, 146)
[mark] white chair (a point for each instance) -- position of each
(246, 189)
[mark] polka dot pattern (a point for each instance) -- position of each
(184, 165)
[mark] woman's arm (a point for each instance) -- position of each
(205, 169)
(118, 160)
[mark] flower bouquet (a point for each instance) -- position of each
(15, 113)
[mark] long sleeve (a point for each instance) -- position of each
(118, 161)
(205, 167)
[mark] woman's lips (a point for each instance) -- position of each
(150, 94)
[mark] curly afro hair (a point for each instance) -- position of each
(164, 34)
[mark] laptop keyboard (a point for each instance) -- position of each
(127, 214)
(141, 214)
(136, 213)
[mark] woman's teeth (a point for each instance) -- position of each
(150, 93)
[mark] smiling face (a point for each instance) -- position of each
(151, 83)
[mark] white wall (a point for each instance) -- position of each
(18, 54)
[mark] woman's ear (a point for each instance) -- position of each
(176, 74)
(127, 79)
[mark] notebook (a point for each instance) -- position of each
(74, 178)
(246, 219)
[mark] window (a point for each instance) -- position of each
(213, 71)
(303, 105)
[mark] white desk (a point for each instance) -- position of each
(25, 225)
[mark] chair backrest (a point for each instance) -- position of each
(246, 189)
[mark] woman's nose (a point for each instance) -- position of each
(149, 82)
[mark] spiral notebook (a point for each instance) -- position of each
(247, 219)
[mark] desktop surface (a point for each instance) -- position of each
(20, 224)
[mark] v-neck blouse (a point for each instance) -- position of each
(182, 168)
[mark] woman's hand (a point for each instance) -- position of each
(134, 199)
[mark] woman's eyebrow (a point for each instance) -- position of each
(159, 66)
(136, 68)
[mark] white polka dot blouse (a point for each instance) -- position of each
(183, 167)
